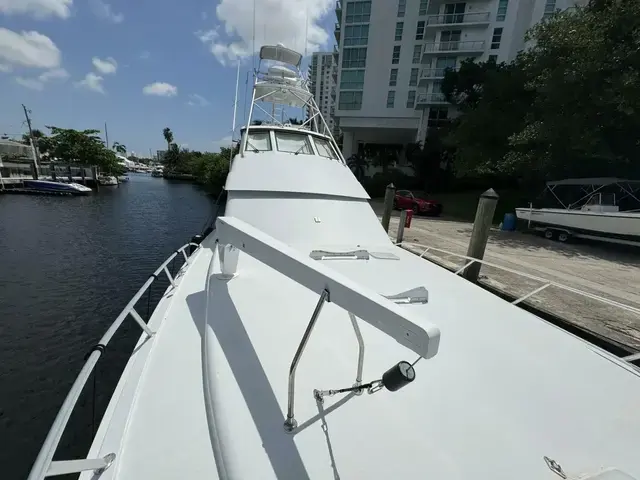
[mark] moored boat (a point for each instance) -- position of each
(52, 186)
(298, 342)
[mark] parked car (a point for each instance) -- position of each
(406, 200)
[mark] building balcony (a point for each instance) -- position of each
(430, 74)
(425, 100)
(457, 47)
(339, 10)
(336, 32)
(471, 19)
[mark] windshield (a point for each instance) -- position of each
(259, 142)
(293, 143)
(324, 148)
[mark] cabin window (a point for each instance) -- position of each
(293, 143)
(259, 141)
(324, 148)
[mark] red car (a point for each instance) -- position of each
(405, 200)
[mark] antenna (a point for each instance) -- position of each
(235, 105)
(253, 46)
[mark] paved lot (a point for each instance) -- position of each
(606, 270)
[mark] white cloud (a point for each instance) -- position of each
(92, 82)
(279, 21)
(38, 83)
(54, 74)
(28, 49)
(145, 55)
(5, 68)
(196, 100)
(103, 10)
(106, 66)
(160, 89)
(37, 8)
(31, 83)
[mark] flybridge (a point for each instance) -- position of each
(278, 84)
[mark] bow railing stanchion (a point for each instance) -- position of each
(290, 423)
(44, 466)
(381, 313)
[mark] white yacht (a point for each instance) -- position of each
(298, 342)
(595, 211)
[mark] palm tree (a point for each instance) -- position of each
(168, 136)
(358, 164)
(119, 148)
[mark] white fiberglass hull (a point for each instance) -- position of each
(605, 223)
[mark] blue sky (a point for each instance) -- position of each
(142, 65)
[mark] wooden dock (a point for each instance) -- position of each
(608, 271)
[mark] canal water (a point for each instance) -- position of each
(68, 266)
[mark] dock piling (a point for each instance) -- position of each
(480, 233)
(389, 195)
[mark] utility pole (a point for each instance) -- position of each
(33, 140)
(106, 134)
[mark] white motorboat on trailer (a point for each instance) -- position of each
(594, 213)
(297, 342)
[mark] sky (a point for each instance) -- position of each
(143, 65)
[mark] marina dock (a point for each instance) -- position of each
(607, 271)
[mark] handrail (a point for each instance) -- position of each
(43, 463)
(546, 283)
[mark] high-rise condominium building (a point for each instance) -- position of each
(393, 54)
(323, 75)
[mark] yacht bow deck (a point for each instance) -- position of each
(470, 409)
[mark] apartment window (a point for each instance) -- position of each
(423, 7)
(493, 58)
(413, 78)
(437, 116)
(391, 98)
(549, 8)
(420, 30)
(417, 53)
(399, 29)
(354, 58)
(402, 6)
(502, 10)
(356, 35)
(396, 54)
(350, 101)
(411, 99)
(358, 12)
(352, 80)
(393, 77)
(495, 40)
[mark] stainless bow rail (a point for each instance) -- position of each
(44, 466)
(546, 283)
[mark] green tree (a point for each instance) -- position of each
(168, 137)
(358, 164)
(80, 146)
(119, 148)
(585, 71)
(493, 101)
(567, 106)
